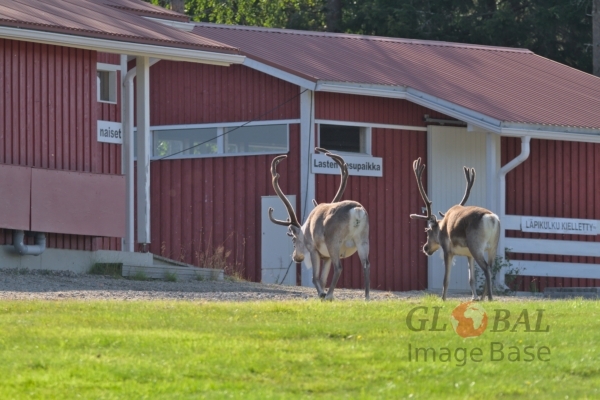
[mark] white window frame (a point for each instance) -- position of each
(365, 136)
(112, 83)
(220, 138)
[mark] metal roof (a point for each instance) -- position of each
(116, 20)
(140, 7)
(513, 86)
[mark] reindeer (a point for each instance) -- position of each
(331, 232)
(468, 231)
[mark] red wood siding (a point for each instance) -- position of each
(559, 179)
(199, 205)
(397, 262)
(187, 93)
(345, 107)
(48, 114)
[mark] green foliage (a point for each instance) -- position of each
(557, 29)
(111, 269)
(300, 349)
(512, 273)
(170, 276)
(291, 14)
(139, 276)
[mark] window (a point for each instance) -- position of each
(345, 138)
(256, 139)
(107, 82)
(185, 142)
(203, 141)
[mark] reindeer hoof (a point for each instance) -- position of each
(322, 295)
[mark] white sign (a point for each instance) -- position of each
(110, 132)
(357, 165)
(559, 225)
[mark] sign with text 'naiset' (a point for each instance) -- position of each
(559, 225)
(357, 165)
(110, 132)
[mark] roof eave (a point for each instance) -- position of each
(121, 47)
(473, 118)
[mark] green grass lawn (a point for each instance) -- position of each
(300, 349)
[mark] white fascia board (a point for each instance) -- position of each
(564, 135)
(453, 110)
(396, 92)
(280, 74)
(182, 26)
(118, 47)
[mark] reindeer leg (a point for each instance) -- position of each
(363, 254)
(472, 278)
(315, 260)
(337, 271)
(448, 259)
(488, 277)
(325, 271)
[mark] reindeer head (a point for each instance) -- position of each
(433, 224)
(294, 228)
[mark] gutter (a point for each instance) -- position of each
(525, 149)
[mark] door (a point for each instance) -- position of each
(277, 265)
(451, 148)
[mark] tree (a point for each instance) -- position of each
(178, 6)
(596, 37)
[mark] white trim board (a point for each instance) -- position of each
(553, 247)
(280, 74)
(557, 269)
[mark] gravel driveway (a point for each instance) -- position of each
(60, 285)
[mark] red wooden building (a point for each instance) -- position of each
(219, 102)
(392, 100)
(62, 178)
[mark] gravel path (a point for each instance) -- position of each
(60, 285)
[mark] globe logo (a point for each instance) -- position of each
(469, 319)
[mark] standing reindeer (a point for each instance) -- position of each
(331, 232)
(463, 231)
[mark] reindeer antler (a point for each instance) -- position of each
(470, 175)
(419, 168)
(343, 169)
(292, 219)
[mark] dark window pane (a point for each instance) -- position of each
(340, 138)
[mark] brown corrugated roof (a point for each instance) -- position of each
(510, 85)
(102, 20)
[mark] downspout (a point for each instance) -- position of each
(128, 155)
(500, 278)
(29, 250)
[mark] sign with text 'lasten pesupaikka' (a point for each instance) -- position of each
(357, 165)
(569, 226)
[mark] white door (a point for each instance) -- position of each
(277, 265)
(451, 148)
